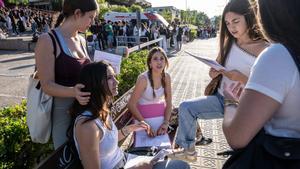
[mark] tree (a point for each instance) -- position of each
(135, 8)
(119, 2)
(217, 21)
(103, 9)
(201, 19)
(100, 1)
(167, 15)
(183, 15)
(119, 8)
(17, 1)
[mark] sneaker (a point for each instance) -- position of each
(203, 141)
(184, 156)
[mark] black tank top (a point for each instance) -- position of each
(67, 68)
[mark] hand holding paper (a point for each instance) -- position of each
(210, 62)
(114, 60)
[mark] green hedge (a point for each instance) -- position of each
(131, 67)
(193, 34)
(16, 148)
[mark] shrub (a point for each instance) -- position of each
(193, 34)
(16, 148)
(131, 67)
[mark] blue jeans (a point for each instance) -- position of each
(171, 164)
(205, 107)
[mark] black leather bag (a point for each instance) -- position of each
(212, 86)
(143, 151)
(266, 152)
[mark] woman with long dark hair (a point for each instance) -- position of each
(268, 108)
(60, 54)
(240, 44)
(94, 132)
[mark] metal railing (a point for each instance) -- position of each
(142, 45)
(130, 40)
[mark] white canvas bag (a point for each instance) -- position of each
(39, 106)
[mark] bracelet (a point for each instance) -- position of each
(124, 132)
(166, 122)
(228, 102)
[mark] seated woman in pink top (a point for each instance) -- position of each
(151, 101)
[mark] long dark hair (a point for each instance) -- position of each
(241, 7)
(94, 77)
(70, 6)
(279, 21)
(149, 57)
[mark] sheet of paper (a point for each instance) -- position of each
(113, 59)
(133, 160)
(142, 139)
(210, 62)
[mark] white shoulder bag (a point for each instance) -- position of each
(39, 108)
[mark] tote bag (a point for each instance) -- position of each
(39, 106)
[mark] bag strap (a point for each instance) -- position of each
(53, 43)
(38, 86)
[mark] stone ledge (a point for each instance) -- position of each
(17, 44)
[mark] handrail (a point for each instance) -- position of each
(142, 45)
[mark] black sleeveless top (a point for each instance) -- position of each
(67, 68)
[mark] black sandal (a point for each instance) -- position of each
(203, 141)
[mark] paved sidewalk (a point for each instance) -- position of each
(15, 68)
(189, 78)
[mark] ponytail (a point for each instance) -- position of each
(60, 19)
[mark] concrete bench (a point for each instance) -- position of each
(17, 43)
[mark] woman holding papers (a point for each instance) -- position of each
(95, 134)
(151, 101)
(240, 44)
(268, 108)
(60, 54)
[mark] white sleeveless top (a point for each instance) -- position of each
(147, 96)
(110, 153)
(238, 59)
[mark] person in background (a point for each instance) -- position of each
(110, 35)
(179, 37)
(163, 34)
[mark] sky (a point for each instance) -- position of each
(210, 7)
